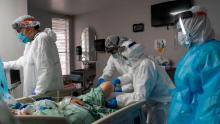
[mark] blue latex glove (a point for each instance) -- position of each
(111, 103)
(118, 89)
(17, 105)
(100, 81)
(117, 84)
(33, 91)
(116, 81)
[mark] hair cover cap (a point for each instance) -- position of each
(24, 21)
(199, 26)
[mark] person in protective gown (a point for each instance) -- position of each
(150, 82)
(116, 64)
(40, 61)
(196, 99)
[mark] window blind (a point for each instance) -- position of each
(61, 27)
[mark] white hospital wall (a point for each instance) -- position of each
(44, 17)
(11, 48)
(119, 20)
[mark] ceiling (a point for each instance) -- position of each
(73, 7)
(77, 7)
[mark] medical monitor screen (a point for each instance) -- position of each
(161, 13)
(15, 76)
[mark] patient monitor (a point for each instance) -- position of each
(13, 78)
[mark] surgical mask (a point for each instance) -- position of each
(23, 38)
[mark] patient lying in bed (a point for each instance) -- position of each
(83, 109)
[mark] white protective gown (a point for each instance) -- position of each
(117, 64)
(41, 64)
(150, 82)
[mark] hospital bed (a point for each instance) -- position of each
(131, 114)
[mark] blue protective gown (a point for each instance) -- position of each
(196, 99)
(3, 82)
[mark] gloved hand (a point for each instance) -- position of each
(117, 84)
(111, 103)
(100, 81)
(118, 89)
(116, 81)
(33, 91)
(17, 105)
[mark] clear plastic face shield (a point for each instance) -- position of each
(25, 24)
(115, 51)
(112, 46)
(183, 36)
(118, 53)
(21, 27)
(111, 49)
(125, 53)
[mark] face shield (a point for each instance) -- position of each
(112, 49)
(113, 45)
(117, 53)
(132, 53)
(184, 36)
(193, 27)
(25, 21)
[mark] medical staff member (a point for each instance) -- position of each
(151, 83)
(40, 60)
(116, 64)
(196, 99)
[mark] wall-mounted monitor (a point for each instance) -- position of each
(99, 45)
(160, 13)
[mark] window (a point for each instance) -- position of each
(61, 27)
